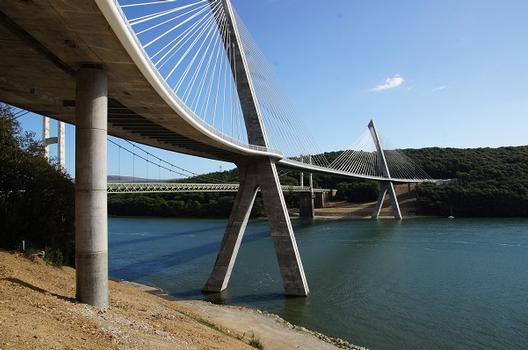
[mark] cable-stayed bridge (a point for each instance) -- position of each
(181, 75)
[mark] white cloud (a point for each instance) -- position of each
(439, 88)
(390, 83)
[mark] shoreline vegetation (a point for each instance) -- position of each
(486, 182)
(38, 310)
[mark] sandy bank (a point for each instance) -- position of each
(38, 310)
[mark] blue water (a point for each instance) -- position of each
(416, 284)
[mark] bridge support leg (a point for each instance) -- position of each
(306, 205)
(91, 236)
(387, 187)
(236, 227)
(320, 199)
(264, 174)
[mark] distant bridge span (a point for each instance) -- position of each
(183, 187)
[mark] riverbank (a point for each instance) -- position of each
(348, 210)
(38, 310)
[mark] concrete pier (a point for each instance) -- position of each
(236, 227)
(306, 205)
(292, 271)
(320, 199)
(261, 174)
(91, 230)
(306, 200)
(387, 188)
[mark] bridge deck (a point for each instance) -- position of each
(192, 188)
(45, 42)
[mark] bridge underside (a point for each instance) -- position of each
(44, 43)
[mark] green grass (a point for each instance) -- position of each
(254, 342)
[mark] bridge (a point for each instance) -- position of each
(309, 198)
(182, 187)
(180, 75)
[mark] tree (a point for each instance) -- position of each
(36, 199)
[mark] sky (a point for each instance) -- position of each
(447, 73)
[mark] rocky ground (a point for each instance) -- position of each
(38, 311)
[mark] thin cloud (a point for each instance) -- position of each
(390, 83)
(439, 88)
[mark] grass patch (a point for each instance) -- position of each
(212, 325)
(256, 343)
(253, 342)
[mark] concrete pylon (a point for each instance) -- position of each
(254, 174)
(46, 136)
(91, 228)
(306, 199)
(59, 140)
(387, 187)
(61, 145)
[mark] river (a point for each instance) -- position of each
(416, 284)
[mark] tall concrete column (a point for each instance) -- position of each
(46, 136)
(306, 201)
(61, 145)
(59, 140)
(91, 230)
(320, 199)
(306, 205)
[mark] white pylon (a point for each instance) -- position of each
(387, 187)
(60, 140)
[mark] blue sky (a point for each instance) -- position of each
(431, 73)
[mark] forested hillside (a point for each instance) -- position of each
(486, 182)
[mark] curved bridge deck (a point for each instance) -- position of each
(44, 43)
